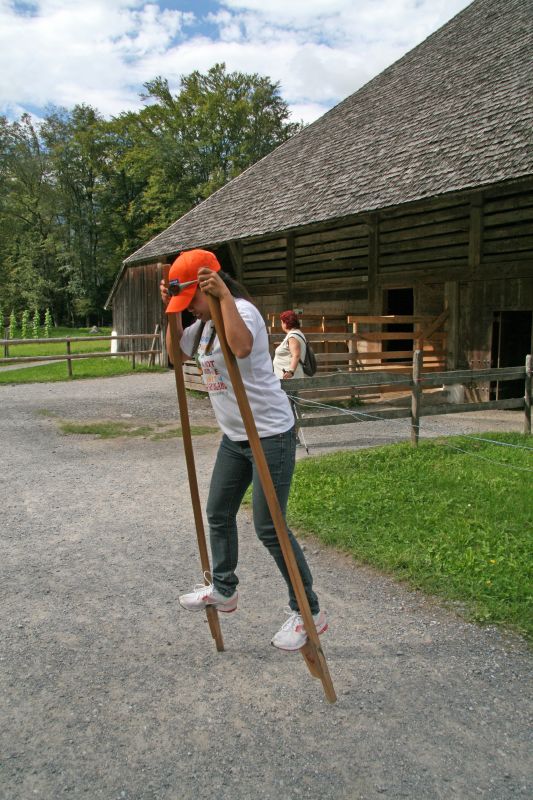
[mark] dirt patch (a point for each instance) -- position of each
(109, 691)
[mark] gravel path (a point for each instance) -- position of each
(109, 691)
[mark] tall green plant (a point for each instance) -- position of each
(36, 323)
(12, 325)
(24, 324)
(47, 323)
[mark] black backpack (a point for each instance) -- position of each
(309, 362)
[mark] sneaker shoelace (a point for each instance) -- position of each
(203, 588)
(293, 621)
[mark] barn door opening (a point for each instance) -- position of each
(512, 337)
(400, 302)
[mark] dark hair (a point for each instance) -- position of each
(290, 318)
(236, 288)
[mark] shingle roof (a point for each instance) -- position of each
(456, 112)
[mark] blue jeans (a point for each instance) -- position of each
(234, 471)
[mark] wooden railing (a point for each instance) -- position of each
(418, 382)
(365, 342)
(69, 356)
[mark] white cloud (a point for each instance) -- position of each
(65, 52)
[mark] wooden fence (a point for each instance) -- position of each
(416, 384)
(370, 342)
(69, 356)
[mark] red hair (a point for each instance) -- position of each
(290, 318)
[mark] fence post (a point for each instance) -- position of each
(6, 345)
(415, 397)
(69, 362)
(133, 353)
(527, 397)
(151, 358)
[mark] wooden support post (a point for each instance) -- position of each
(374, 288)
(69, 362)
(235, 249)
(312, 650)
(290, 270)
(211, 612)
(416, 393)
(527, 397)
(133, 353)
(151, 360)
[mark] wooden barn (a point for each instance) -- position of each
(413, 195)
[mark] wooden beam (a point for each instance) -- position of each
(235, 250)
(451, 303)
(476, 232)
(290, 270)
(374, 289)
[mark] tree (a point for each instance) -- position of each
(79, 193)
(76, 146)
(194, 142)
(28, 218)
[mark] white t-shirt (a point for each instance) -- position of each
(269, 403)
(283, 355)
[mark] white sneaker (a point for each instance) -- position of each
(202, 596)
(292, 635)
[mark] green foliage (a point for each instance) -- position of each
(47, 323)
(112, 430)
(12, 325)
(36, 323)
(2, 324)
(89, 345)
(454, 522)
(78, 193)
(84, 368)
(25, 321)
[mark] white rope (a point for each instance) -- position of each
(358, 414)
(430, 427)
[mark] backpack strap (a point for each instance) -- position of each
(301, 337)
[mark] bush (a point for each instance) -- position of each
(36, 323)
(12, 325)
(47, 323)
(24, 324)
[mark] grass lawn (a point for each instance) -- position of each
(112, 430)
(455, 524)
(82, 368)
(52, 348)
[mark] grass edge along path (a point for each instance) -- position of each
(454, 524)
(83, 368)
(109, 429)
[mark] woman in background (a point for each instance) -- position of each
(291, 352)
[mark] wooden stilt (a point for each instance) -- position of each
(311, 651)
(211, 612)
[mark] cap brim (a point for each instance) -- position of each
(181, 300)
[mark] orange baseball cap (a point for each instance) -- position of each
(184, 270)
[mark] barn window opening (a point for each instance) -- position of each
(512, 341)
(399, 302)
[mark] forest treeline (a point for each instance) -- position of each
(78, 193)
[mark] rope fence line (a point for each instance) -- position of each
(417, 383)
(69, 356)
(372, 417)
(313, 403)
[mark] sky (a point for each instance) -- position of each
(66, 52)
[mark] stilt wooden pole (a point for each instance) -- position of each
(211, 612)
(311, 651)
